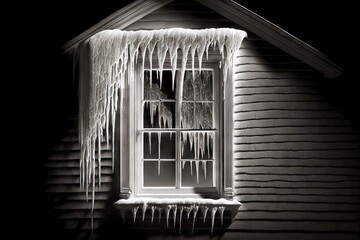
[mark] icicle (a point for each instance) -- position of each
(167, 211)
(180, 220)
(183, 164)
(159, 148)
(149, 135)
(204, 210)
(208, 143)
(152, 214)
(213, 212)
(188, 211)
(160, 210)
(162, 48)
(204, 167)
(221, 210)
(191, 167)
(99, 159)
(151, 48)
(134, 211)
(144, 211)
(174, 209)
(197, 171)
(195, 210)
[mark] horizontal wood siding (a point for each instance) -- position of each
(70, 208)
(296, 155)
(297, 169)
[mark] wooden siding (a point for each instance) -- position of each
(71, 210)
(297, 168)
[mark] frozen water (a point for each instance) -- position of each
(107, 63)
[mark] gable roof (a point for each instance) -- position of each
(231, 10)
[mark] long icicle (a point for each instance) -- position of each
(159, 148)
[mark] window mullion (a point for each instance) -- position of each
(177, 136)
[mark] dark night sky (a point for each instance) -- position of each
(44, 77)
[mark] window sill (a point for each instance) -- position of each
(178, 205)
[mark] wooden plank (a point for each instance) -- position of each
(317, 106)
(239, 124)
(315, 163)
(260, 52)
(107, 162)
(76, 189)
(277, 97)
(300, 207)
(299, 198)
(290, 114)
(76, 146)
(298, 138)
(299, 191)
(295, 235)
(79, 196)
(298, 170)
(74, 179)
(277, 60)
(272, 68)
(246, 75)
(314, 184)
(311, 216)
(71, 155)
(296, 226)
(270, 82)
(326, 130)
(291, 177)
(74, 171)
(301, 154)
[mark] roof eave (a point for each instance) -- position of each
(274, 35)
(119, 19)
(231, 10)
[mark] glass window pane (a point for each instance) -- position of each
(151, 146)
(156, 92)
(204, 115)
(188, 88)
(197, 145)
(189, 174)
(167, 145)
(187, 145)
(187, 115)
(152, 111)
(155, 178)
(204, 86)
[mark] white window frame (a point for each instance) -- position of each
(129, 138)
(140, 190)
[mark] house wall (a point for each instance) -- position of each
(296, 154)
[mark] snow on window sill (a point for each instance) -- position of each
(178, 205)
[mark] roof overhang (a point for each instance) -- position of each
(234, 12)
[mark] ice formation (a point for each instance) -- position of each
(174, 204)
(107, 64)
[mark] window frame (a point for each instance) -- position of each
(215, 191)
(127, 137)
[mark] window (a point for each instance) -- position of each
(178, 141)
